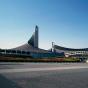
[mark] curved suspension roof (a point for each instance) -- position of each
(32, 44)
(69, 49)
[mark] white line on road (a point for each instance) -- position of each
(40, 69)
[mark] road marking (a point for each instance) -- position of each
(40, 69)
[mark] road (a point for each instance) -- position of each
(43, 75)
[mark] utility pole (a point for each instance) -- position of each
(53, 47)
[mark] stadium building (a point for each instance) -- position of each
(31, 49)
(71, 52)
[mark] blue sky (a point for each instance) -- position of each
(64, 22)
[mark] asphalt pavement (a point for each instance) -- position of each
(43, 75)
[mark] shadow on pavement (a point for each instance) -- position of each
(7, 83)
